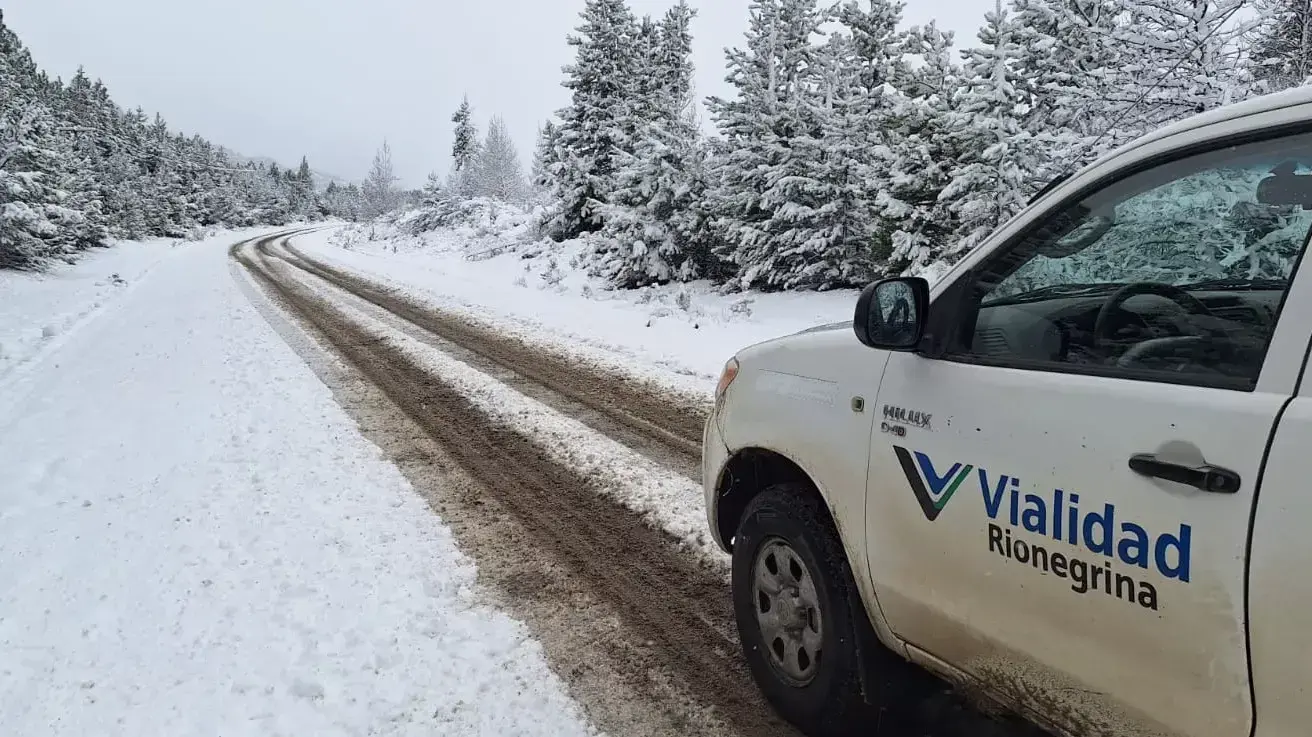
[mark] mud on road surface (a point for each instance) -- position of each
(634, 412)
(641, 632)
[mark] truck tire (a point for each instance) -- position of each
(801, 622)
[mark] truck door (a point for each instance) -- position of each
(1279, 589)
(1059, 499)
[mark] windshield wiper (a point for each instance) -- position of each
(1232, 282)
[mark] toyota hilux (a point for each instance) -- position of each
(1066, 475)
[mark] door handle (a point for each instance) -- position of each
(1205, 477)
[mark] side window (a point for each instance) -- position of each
(1176, 273)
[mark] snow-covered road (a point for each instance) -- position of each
(196, 540)
(231, 498)
(580, 499)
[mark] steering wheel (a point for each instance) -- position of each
(1157, 347)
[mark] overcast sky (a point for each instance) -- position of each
(331, 78)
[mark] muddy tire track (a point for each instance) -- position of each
(644, 635)
(682, 609)
(657, 416)
(658, 444)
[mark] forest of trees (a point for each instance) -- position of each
(76, 169)
(852, 147)
(856, 148)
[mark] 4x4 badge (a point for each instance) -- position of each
(932, 490)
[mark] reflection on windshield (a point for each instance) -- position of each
(1203, 229)
(1059, 291)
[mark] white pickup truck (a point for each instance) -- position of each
(1071, 475)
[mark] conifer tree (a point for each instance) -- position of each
(919, 227)
(545, 156)
(1182, 57)
(497, 173)
(433, 190)
(379, 191)
(655, 230)
(989, 179)
(1068, 61)
(464, 149)
(1281, 44)
(592, 128)
(762, 204)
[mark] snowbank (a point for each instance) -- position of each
(678, 335)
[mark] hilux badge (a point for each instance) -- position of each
(907, 416)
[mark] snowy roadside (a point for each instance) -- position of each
(195, 539)
(678, 335)
(39, 311)
(665, 499)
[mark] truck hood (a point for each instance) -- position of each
(846, 324)
(816, 352)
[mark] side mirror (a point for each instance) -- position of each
(891, 313)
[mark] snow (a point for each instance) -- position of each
(37, 307)
(665, 499)
(676, 335)
(195, 539)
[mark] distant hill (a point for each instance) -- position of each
(321, 179)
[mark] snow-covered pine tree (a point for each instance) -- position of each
(100, 141)
(81, 213)
(379, 190)
(839, 230)
(214, 189)
(654, 227)
(82, 105)
(42, 180)
(545, 156)
(276, 202)
(764, 200)
(305, 201)
(1181, 57)
(1281, 45)
(862, 64)
(920, 227)
(433, 190)
(592, 128)
(332, 200)
(464, 148)
(352, 202)
(30, 211)
(155, 180)
(1067, 61)
(497, 172)
(991, 175)
(464, 151)
(685, 155)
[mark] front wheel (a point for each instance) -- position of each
(800, 618)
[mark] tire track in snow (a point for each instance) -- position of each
(663, 597)
(649, 420)
(674, 614)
